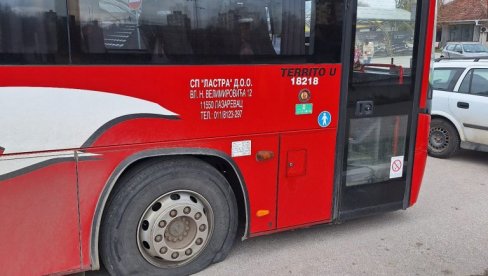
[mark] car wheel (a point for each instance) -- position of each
(168, 218)
(443, 139)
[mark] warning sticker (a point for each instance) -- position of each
(396, 167)
(241, 148)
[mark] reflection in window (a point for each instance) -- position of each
(445, 78)
(474, 48)
(199, 31)
(385, 34)
(464, 88)
(458, 48)
(461, 32)
(475, 82)
(372, 144)
(479, 83)
(32, 32)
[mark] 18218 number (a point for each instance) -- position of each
(302, 81)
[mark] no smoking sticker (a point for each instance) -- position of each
(396, 167)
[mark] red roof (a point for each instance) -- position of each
(463, 10)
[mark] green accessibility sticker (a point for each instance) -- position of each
(303, 109)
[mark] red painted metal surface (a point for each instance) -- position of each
(305, 193)
(260, 177)
(39, 230)
(428, 54)
(268, 107)
(420, 156)
(296, 162)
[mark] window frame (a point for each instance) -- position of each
(452, 83)
(470, 73)
(467, 73)
(460, 47)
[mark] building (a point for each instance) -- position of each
(462, 20)
(178, 19)
(388, 24)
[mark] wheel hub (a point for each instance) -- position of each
(175, 228)
(180, 232)
(439, 139)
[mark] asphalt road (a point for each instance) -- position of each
(446, 233)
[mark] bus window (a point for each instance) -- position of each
(208, 31)
(33, 32)
(385, 32)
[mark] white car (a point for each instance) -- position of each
(459, 107)
(464, 49)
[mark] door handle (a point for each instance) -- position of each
(463, 105)
(364, 108)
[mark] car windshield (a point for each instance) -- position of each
(474, 48)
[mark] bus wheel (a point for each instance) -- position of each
(443, 139)
(168, 218)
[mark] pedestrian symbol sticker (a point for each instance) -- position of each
(396, 167)
(325, 119)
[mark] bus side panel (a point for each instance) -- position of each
(39, 228)
(91, 108)
(306, 177)
(79, 103)
(260, 177)
(420, 156)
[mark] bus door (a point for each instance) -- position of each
(379, 108)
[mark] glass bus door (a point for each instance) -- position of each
(379, 107)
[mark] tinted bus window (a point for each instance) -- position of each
(33, 32)
(207, 31)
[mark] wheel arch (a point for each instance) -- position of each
(450, 119)
(220, 160)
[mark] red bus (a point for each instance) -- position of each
(145, 136)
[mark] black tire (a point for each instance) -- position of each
(133, 201)
(443, 139)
